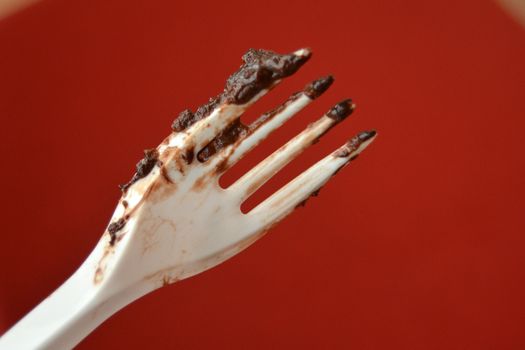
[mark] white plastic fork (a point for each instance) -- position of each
(174, 220)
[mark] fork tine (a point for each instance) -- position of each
(243, 89)
(297, 191)
(262, 172)
(261, 128)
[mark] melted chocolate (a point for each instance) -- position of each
(341, 110)
(354, 143)
(317, 87)
(260, 70)
(143, 168)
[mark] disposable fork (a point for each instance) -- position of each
(174, 220)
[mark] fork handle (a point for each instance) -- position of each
(69, 314)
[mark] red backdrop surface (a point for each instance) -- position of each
(419, 244)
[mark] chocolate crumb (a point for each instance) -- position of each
(143, 167)
(113, 228)
(317, 87)
(184, 120)
(237, 129)
(206, 109)
(341, 110)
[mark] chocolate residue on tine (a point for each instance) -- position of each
(185, 119)
(269, 115)
(317, 87)
(341, 110)
(224, 139)
(143, 168)
(206, 109)
(188, 155)
(237, 129)
(114, 227)
(260, 70)
(354, 143)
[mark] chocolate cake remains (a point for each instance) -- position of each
(143, 167)
(261, 69)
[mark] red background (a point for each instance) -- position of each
(418, 245)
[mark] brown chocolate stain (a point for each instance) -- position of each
(161, 189)
(165, 276)
(188, 155)
(200, 183)
(99, 275)
(101, 266)
(165, 175)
